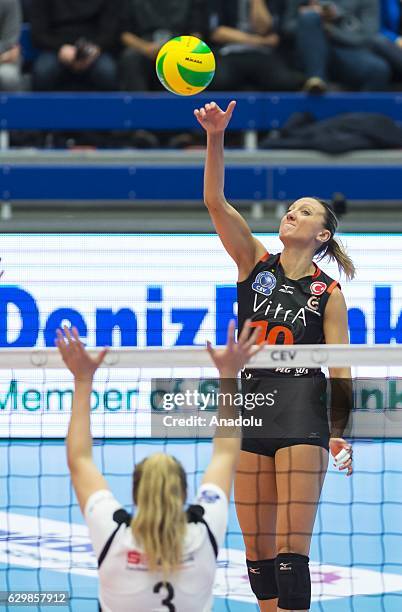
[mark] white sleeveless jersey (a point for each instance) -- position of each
(126, 585)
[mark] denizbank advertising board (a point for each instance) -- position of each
(147, 291)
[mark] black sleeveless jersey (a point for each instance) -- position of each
(286, 311)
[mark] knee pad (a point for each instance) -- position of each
(261, 575)
(293, 580)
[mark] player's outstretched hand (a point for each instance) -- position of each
(235, 355)
(342, 453)
(213, 119)
(76, 358)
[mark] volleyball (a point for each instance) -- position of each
(185, 65)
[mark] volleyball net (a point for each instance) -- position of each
(356, 552)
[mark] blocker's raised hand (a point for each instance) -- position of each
(231, 359)
(213, 119)
(74, 355)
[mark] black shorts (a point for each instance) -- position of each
(269, 447)
(286, 411)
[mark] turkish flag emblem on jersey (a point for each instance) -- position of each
(133, 557)
(318, 288)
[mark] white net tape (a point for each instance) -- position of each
(310, 356)
(36, 388)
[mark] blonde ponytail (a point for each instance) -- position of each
(159, 525)
(333, 249)
(335, 252)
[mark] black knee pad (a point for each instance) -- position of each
(261, 575)
(293, 579)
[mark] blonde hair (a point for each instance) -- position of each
(159, 525)
(333, 249)
(336, 252)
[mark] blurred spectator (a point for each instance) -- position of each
(277, 8)
(391, 20)
(148, 25)
(333, 40)
(78, 39)
(10, 27)
(245, 33)
(389, 42)
(26, 6)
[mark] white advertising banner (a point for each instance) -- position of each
(147, 291)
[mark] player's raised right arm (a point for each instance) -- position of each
(233, 230)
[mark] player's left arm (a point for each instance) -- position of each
(336, 329)
(336, 332)
(85, 476)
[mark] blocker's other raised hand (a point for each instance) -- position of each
(212, 118)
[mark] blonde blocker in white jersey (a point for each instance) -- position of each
(163, 558)
(126, 584)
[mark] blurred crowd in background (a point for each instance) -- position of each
(261, 45)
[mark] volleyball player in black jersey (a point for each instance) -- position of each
(291, 301)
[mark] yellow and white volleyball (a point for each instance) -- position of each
(185, 65)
